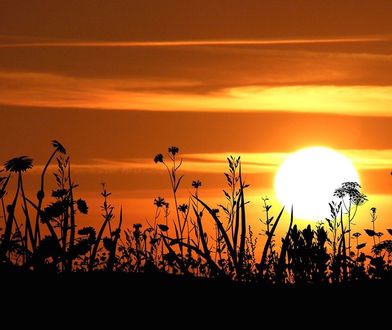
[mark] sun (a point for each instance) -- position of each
(307, 180)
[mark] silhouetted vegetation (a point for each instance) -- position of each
(41, 234)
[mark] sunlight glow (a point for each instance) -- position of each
(307, 180)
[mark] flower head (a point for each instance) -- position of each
(351, 190)
(174, 150)
(196, 184)
(183, 208)
(159, 202)
(82, 206)
(58, 146)
(19, 164)
(158, 158)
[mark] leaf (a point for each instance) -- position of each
(108, 244)
(178, 183)
(163, 227)
(370, 232)
(220, 227)
(269, 239)
(86, 231)
(228, 179)
(361, 246)
(389, 231)
(226, 194)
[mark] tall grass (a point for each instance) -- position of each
(42, 235)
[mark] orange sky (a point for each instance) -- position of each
(118, 81)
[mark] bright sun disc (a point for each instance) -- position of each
(308, 178)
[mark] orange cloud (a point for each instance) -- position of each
(186, 43)
(216, 162)
(49, 90)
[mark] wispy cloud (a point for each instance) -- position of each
(56, 91)
(368, 159)
(193, 43)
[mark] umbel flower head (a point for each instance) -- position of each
(19, 164)
(351, 190)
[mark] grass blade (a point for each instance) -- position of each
(269, 239)
(220, 227)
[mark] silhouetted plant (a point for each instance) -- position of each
(58, 148)
(175, 181)
(18, 165)
(351, 198)
(107, 215)
(184, 246)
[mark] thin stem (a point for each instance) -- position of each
(8, 228)
(37, 232)
(28, 228)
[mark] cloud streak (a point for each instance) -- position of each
(363, 160)
(56, 91)
(193, 43)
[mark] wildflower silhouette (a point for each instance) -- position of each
(181, 244)
(158, 158)
(356, 198)
(196, 184)
(183, 208)
(19, 164)
(173, 151)
(159, 202)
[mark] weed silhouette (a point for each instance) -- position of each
(41, 236)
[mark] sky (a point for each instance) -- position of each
(119, 81)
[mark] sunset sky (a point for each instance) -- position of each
(119, 81)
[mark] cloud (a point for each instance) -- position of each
(56, 91)
(194, 43)
(363, 159)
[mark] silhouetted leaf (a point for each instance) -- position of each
(389, 231)
(370, 232)
(108, 244)
(178, 183)
(163, 227)
(361, 246)
(226, 195)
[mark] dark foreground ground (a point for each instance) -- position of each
(142, 293)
